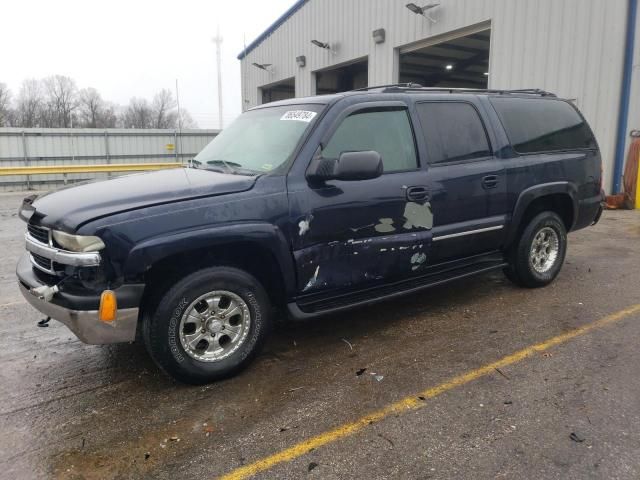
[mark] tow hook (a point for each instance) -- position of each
(45, 292)
(44, 322)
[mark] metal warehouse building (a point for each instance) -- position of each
(579, 49)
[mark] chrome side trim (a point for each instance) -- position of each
(468, 232)
(64, 257)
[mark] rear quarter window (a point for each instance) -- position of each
(543, 125)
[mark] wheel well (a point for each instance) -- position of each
(250, 257)
(559, 203)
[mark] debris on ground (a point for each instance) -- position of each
(503, 374)
(376, 376)
(147, 455)
(576, 437)
(44, 322)
(347, 342)
(360, 372)
(387, 439)
(312, 465)
(174, 439)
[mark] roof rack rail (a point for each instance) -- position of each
(415, 87)
(399, 85)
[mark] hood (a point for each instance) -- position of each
(69, 208)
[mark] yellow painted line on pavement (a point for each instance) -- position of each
(413, 402)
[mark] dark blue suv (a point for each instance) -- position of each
(312, 206)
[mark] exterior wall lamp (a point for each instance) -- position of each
(379, 35)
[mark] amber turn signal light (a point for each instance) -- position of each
(108, 306)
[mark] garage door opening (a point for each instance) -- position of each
(342, 79)
(459, 63)
(279, 91)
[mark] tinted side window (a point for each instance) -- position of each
(453, 132)
(388, 132)
(539, 125)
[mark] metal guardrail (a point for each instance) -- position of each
(66, 169)
(87, 150)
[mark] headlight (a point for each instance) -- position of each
(78, 243)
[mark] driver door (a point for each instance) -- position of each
(352, 234)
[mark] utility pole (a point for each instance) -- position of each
(175, 146)
(218, 41)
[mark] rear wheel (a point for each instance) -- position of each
(537, 257)
(209, 325)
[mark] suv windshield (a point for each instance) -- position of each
(258, 141)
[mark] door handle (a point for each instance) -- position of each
(490, 181)
(417, 194)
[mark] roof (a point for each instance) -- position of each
(272, 28)
(316, 99)
(408, 88)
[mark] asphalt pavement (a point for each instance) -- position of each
(326, 399)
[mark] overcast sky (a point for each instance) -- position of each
(127, 48)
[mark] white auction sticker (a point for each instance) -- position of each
(299, 115)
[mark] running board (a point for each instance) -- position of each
(302, 310)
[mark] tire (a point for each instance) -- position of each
(537, 256)
(188, 334)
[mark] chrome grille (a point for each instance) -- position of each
(42, 235)
(42, 262)
(39, 233)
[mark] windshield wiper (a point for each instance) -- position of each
(231, 167)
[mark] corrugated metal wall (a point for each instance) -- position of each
(85, 146)
(571, 47)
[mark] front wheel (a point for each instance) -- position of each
(209, 325)
(537, 257)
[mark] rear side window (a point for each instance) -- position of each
(453, 131)
(537, 125)
(385, 131)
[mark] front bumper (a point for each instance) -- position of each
(70, 310)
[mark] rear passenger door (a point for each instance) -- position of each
(466, 181)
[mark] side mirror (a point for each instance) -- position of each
(350, 166)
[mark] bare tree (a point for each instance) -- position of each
(109, 116)
(5, 105)
(138, 114)
(30, 104)
(90, 106)
(93, 111)
(186, 120)
(56, 102)
(61, 100)
(163, 105)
